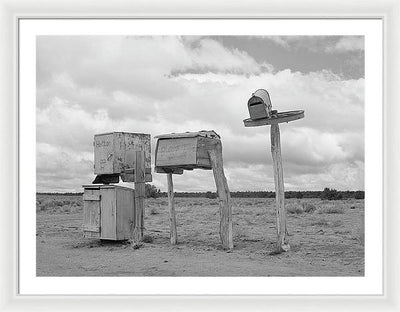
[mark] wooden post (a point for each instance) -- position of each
(282, 242)
(171, 206)
(139, 197)
(225, 207)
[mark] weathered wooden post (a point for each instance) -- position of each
(261, 114)
(139, 197)
(195, 150)
(171, 206)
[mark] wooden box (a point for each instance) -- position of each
(114, 153)
(108, 211)
(184, 150)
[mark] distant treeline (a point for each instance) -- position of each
(330, 194)
(327, 193)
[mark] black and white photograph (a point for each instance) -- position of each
(200, 156)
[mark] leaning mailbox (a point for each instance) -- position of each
(176, 152)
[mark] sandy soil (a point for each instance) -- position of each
(326, 242)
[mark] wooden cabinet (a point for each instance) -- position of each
(109, 211)
(187, 150)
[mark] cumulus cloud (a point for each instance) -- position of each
(89, 85)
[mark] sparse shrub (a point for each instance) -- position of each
(359, 195)
(319, 222)
(337, 223)
(151, 191)
(153, 210)
(330, 194)
(147, 239)
(294, 209)
(308, 207)
(211, 195)
(331, 210)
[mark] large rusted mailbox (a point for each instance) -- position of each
(259, 105)
(184, 151)
(114, 156)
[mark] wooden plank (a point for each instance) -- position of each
(103, 154)
(90, 234)
(176, 152)
(225, 205)
(203, 159)
(203, 133)
(137, 234)
(108, 213)
(137, 142)
(87, 196)
(171, 206)
(91, 210)
(125, 198)
(282, 241)
(281, 117)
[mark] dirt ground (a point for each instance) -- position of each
(325, 241)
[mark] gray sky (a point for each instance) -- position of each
(95, 84)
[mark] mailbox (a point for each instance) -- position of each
(108, 211)
(114, 156)
(187, 150)
(260, 105)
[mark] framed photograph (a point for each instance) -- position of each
(291, 116)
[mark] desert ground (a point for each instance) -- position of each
(326, 239)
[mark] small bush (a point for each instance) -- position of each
(211, 195)
(332, 210)
(147, 239)
(319, 222)
(153, 211)
(308, 207)
(294, 209)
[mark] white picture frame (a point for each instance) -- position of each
(11, 11)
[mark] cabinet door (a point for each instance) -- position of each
(91, 213)
(125, 212)
(108, 213)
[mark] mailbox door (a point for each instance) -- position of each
(91, 213)
(108, 213)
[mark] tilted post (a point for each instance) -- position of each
(139, 197)
(171, 206)
(225, 206)
(282, 242)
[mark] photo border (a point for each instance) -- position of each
(12, 11)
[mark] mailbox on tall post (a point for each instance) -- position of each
(261, 114)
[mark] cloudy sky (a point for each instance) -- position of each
(156, 85)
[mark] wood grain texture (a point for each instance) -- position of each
(137, 234)
(125, 198)
(225, 206)
(281, 117)
(114, 152)
(175, 152)
(171, 206)
(108, 214)
(282, 241)
(91, 210)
